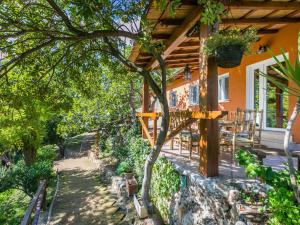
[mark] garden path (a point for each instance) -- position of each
(82, 198)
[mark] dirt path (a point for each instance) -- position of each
(82, 198)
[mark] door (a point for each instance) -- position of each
(261, 94)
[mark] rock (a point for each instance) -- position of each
(240, 223)
(233, 196)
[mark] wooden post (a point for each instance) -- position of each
(208, 91)
(279, 108)
(154, 129)
(145, 104)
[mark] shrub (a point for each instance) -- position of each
(47, 152)
(13, 204)
(139, 149)
(26, 178)
(165, 182)
(124, 167)
(280, 199)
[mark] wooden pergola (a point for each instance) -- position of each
(184, 39)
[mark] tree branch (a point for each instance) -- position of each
(64, 17)
(12, 62)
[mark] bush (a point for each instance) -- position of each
(124, 167)
(26, 178)
(139, 149)
(165, 182)
(280, 199)
(13, 205)
(47, 152)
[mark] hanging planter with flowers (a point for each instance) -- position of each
(229, 46)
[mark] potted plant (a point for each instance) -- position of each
(229, 46)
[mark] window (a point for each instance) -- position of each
(223, 88)
(173, 98)
(194, 95)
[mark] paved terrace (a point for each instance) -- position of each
(227, 168)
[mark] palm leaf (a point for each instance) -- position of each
(287, 71)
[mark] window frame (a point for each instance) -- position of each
(171, 99)
(220, 77)
(197, 93)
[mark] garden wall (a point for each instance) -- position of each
(214, 201)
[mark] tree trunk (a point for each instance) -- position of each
(132, 103)
(155, 151)
(287, 152)
(29, 152)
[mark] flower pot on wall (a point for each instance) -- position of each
(229, 56)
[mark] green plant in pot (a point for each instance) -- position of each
(229, 46)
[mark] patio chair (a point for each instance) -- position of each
(241, 128)
(189, 139)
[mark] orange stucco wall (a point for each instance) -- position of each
(286, 39)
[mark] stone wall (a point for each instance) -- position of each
(214, 201)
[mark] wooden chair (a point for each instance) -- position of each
(241, 128)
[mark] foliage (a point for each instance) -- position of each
(213, 10)
(139, 149)
(287, 71)
(13, 205)
(244, 39)
(124, 167)
(164, 184)
(280, 199)
(26, 178)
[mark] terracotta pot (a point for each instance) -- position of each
(131, 186)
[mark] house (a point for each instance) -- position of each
(222, 90)
(243, 87)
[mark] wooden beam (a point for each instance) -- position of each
(252, 5)
(243, 21)
(146, 132)
(209, 115)
(263, 5)
(150, 115)
(189, 44)
(178, 61)
(192, 65)
(190, 56)
(185, 51)
(208, 100)
(134, 52)
(145, 104)
(178, 129)
(259, 32)
(171, 22)
(161, 36)
(178, 35)
(254, 21)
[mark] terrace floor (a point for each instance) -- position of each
(227, 168)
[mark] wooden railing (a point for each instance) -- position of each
(35, 206)
(179, 120)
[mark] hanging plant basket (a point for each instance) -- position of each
(229, 56)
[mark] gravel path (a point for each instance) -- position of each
(82, 198)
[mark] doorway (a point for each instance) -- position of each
(261, 94)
